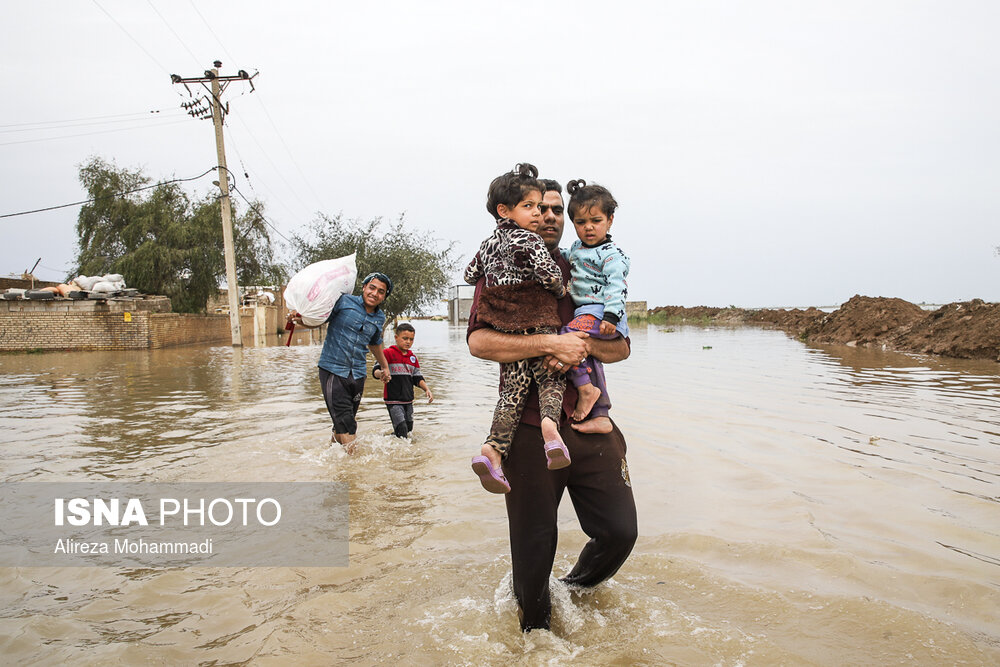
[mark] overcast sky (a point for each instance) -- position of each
(764, 153)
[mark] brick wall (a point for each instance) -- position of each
(119, 324)
(81, 330)
(23, 284)
(170, 329)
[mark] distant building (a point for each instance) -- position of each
(460, 302)
(633, 308)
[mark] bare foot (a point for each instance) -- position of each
(492, 455)
(595, 425)
(588, 395)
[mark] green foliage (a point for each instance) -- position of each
(419, 269)
(255, 260)
(156, 238)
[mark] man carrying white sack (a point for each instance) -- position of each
(354, 325)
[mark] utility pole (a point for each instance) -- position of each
(218, 85)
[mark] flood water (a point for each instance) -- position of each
(797, 505)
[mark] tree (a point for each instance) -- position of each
(255, 260)
(161, 241)
(419, 269)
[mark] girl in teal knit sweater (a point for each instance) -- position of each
(597, 285)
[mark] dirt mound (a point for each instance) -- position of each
(968, 330)
(681, 313)
(865, 320)
(795, 321)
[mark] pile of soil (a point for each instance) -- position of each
(968, 330)
(865, 320)
(794, 321)
(685, 314)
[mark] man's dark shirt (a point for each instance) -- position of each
(531, 414)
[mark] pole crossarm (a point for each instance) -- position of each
(242, 76)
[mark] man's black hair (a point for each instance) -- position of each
(550, 184)
(405, 326)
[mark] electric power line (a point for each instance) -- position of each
(114, 196)
(74, 120)
(89, 134)
(269, 118)
(246, 175)
(171, 29)
(137, 42)
(224, 50)
(100, 122)
(259, 212)
(273, 124)
(289, 151)
(273, 165)
(242, 196)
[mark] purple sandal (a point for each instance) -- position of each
(557, 454)
(491, 478)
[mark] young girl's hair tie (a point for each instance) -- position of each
(526, 169)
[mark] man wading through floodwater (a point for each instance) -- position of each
(598, 480)
(354, 326)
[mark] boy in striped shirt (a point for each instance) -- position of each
(405, 371)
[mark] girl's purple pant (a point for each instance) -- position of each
(591, 371)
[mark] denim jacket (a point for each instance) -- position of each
(350, 330)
